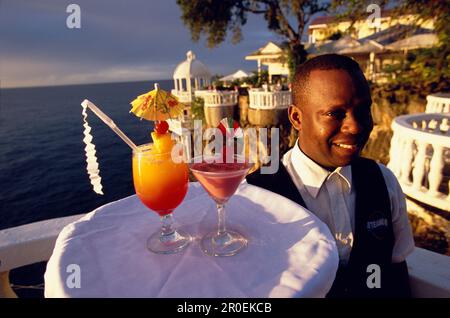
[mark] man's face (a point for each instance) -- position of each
(334, 121)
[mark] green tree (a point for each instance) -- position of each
(198, 108)
(215, 18)
(257, 80)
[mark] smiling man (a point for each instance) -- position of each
(360, 200)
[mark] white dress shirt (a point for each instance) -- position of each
(331, 197)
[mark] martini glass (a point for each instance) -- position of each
(221, 180)
(161, 184)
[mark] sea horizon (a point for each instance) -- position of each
(83, 84)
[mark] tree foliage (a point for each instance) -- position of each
(422, 10)
(424, 71)
(197, 108)
(215, 18)
(257, 80)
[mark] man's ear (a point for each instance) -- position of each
(295, 117)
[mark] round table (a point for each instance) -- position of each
(291, 253)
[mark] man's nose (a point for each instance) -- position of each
(351, 125)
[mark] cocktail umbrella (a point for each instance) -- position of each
(230, 128)
(157, 105)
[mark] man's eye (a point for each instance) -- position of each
(338, 114)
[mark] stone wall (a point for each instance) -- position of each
(383, 112)
(431, 229)
(213, 115)
(261, 117)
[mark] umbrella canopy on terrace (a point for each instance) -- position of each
(344, 43)
(237, 75)
(396, 38)
(379, 48)
(414, 42)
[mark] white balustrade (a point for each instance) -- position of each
(218, 98)
(438, 103)
(269, 100)
(28, 244)
(420, 157)
(183, 96)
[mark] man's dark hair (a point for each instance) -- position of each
(321, 62)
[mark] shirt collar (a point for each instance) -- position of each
(313, 175)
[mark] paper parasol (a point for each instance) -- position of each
(157, 105)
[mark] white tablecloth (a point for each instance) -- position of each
(291, 253)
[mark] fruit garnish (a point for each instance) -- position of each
(230, 128)
(161, 127)
(162, 142)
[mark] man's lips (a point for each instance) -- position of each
(346, 146)
(349, 145)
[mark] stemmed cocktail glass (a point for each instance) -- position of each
(161, 184)
(160, 179)
(221, 180)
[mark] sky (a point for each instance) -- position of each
(118, 41)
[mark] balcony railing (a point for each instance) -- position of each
(218, 98)
(269, 100)
(183, 96)
(420, 157)
(438, 103)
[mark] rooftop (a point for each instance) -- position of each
(331, 19)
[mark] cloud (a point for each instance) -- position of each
(24, 72)
(118, 41)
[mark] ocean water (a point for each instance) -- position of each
(42, 160)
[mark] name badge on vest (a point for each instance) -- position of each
(377, 225)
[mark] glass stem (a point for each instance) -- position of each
(167, 225)
(221, 212)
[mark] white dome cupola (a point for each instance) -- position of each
(189, 76)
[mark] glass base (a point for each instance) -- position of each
(228, 244)
(168, 244)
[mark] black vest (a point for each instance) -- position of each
(373, 233)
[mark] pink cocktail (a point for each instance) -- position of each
(221, 180)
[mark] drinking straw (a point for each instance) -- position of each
(108, 121)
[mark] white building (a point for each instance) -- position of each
(189, 76)
(273, 57)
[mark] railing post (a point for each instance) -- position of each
(436, 167)
(438, 103)
(419, 164)
(407, 157)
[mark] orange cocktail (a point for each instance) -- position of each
(160, 183)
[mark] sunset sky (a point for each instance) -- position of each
(118, 41)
